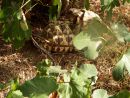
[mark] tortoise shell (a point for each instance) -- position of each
(55, 37)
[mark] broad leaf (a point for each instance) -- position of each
(118, 71)
(88, 70)
(15, 94)
(122, 94)
(126, 60)
(39, 87)
(91, 38)
(55, 70)
(84, 42)
(45, 68)
(124, 63)
(78, 83)
(1, 86)
(121, 32)
(100, 93)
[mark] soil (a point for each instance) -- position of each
(21, 63)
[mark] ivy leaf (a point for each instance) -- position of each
(55, 70)
(124, 63)
(39, 87)
(92, 37)
(88, 70)
(118, 71)
(45, 68)
(100, 93)
(90, 47)
(78, 82)
(122, 94)
(16, 94)
(121, 32)
(93, 49)
(126, 60)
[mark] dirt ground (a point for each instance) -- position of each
(21, 63)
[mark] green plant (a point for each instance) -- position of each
(55, 9)
(101, 93)
(74, 83)
(108, 5)
(69, 84)
(15, 26)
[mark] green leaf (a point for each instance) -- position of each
(122, 94)
(100, 93)
(86, 4)
(118, 71)
(55, 70)
(12, 14)
(91, 38)
(105, 4)
(14, 84)
(1, 86)
(78, 83)
(15, 94)
(126, 60)
(54, 11)
(121, 32)
(2, 15)
(126, 1)
(90, 47)
(88, 70)
(120, 67)
(93, 49)
(45, 68)
(108, 5)
(59, 4)
(39, 87)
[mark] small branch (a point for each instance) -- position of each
(25, 4)
(43, 50)
(30, 8)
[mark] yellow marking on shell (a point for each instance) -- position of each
(48, 41)
(50, 48)
(55, 39)
(70, 42)
(64, 41)
(45, 46)
(71, 48)
(55, 49)
(66, 49)
(61, 49)
(58, 30)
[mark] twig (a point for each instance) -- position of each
(43, 50)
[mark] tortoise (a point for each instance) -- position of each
(57, 36)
